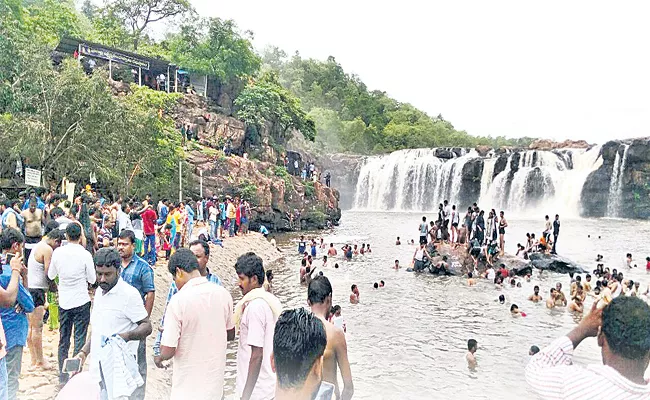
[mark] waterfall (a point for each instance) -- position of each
(410, 180)
(527, 179)
(614, 199)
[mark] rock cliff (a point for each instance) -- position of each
(621, 185)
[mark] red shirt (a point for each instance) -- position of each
(647, 265)
(504, 273)
(149, 222)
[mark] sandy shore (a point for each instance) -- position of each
(42, 385)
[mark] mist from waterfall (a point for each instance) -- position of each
(416, 180)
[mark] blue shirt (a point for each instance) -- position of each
(139, 274)
(222, 210)
(39, 204)
(163, 214)
(15, 323)
(190, 214)
(263, 230)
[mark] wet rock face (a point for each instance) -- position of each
(279, 203)
(635, 180)
(555, 263)
(471, 181)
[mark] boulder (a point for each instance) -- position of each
(445, 154)
(470, 186)
(483, 150)
(555, 263)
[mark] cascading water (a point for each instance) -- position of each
(417, 180)
(614, 199)
(410, 180)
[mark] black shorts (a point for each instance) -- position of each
(423, 240)
(38, 295)
(502, 231)
(455, 224)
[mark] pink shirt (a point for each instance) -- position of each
(257, 327)
(196, 322)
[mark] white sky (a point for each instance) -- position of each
(554, 69)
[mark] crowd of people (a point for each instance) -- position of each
(309, 171)
(91, 263)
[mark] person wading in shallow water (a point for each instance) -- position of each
(319, 298)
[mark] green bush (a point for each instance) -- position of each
(247, 190)
(281, 172)
(310, 190)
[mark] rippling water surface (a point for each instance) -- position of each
(408, 340)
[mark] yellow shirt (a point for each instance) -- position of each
(232, 211)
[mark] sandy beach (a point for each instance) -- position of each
(42, 385)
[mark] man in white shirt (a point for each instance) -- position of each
(255, 377)
(198, 326)
(123, 220)
(623, 332)
(118, 310)
(490, 274)
(74, 266)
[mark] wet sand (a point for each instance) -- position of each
(43, 385)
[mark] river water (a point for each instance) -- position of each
(408, 340)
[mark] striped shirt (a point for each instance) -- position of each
(551, 374)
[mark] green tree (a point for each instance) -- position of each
(266, 100)
(49, 20)
(219, 50)
(137, 15)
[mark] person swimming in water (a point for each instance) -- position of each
(470, 279)
(577, 305)
(397, 242)
(533, 350)
(550, 302)
(514, 311)
(560, 300)
(354, 296)
(396, 265)
(472, 346)
(332, 251)
(535, 297)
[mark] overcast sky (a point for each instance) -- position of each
(554, 69)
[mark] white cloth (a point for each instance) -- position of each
(257, 328)
(35, 270)
(63, 222)
(491, 274)
(551, 375)
(259, 293)
(338, 322)
(75, 267)
(123, 221)
(119, 368)
(117, 311)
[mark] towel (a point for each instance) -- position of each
(259, 293)
(118, 369)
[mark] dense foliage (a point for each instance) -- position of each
(350, 117)
(69, 124)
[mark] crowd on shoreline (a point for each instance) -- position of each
(93, 262)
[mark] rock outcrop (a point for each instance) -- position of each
(545, 144)
(555, 263)
(633, 171)
(281, 202)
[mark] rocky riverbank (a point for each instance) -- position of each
(42, 385)
(620, 187)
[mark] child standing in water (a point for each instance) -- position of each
(337, 319)
(472, 346)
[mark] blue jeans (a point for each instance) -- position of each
(190, 228)
(231, 228)
(213, 229)
(3, 379)
(150, 249)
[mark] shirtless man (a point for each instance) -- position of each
(33, 225)
(577, 305)
(587, 285)
(332, 251)
(37, 267)
(535, 297)
(319, 298)
(560, 300)
(354, 296)
(550, 302)
(574, 285)
(396, 264)
(470, 279)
